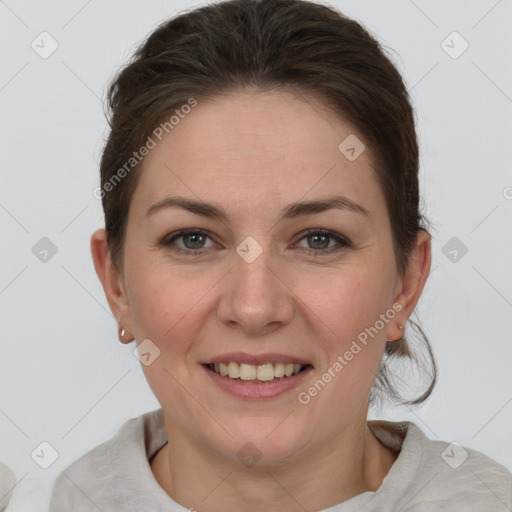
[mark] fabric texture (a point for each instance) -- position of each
(7, 483)
(427, 476)
(32, 493)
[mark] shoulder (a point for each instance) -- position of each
(465, 472)
(7, 483)
(449, 474)
(100, 477)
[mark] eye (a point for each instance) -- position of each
(319, 238)
(194, 239)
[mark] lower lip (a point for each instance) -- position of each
(243, 389)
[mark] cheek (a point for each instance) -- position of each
(151, 308)
(354, 344)
(352, 309)
(162, 311)
(158, 301)
(361, 313)
(168, 306)
(348, 301)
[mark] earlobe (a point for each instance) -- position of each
(123, 336)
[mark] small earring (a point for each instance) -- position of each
(121, 333)
(400, 326)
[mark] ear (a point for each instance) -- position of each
(410, 286)
(112, 282)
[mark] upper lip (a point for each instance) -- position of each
(256, 359)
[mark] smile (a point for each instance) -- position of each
(266, 372)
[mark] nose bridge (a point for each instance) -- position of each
(256, 295)
(253, 268)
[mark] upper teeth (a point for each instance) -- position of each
(264, 372)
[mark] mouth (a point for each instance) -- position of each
(257, 373)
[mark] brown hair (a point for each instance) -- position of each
(272, 44)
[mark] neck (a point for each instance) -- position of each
(350, 464)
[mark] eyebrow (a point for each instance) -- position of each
(291, 211)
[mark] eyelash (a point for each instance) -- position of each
(342, 242)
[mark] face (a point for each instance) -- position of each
(257, 282)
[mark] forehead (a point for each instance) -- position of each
(248, 148)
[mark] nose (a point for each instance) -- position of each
(255, 295)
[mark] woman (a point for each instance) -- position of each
(264, 248)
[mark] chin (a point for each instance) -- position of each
(260, 444)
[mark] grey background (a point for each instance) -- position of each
(65, 378)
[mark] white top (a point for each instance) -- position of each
(427, 476)
(7, 483)
(31, 493)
